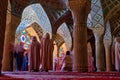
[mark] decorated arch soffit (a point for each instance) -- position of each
(95, 19)
(35, 14)
(108, 36)
(64, 32)
(38, 30)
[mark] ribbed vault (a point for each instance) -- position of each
(115, 24)
(110, 7)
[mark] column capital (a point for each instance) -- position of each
(78, 4)
(107, 42)
(98, 30)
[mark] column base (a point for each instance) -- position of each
(0, 67)
(78, 69)
(100, 70)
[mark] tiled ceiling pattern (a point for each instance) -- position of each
(108, 36)
(64, 32)
(98, 20)
(96, 17)
(19, 5)
(111, 12)
(110, 7)
(54, 14)
(96, 13)
(38, 30)
(115, 23)
(115, 19)
(56, 4)
(53, 8)
(59, 40)
(35, 14)
(56, 8)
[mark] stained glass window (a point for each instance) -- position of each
(25, 38)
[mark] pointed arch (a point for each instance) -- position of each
(64, 32)
(35, 14)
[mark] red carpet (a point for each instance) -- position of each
(60, 76)
(3, 77)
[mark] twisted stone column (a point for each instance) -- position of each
(80, 10)
(107, 45)
(12, 24)
(100, 56)
(3, 11)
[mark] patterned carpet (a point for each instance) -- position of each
(60, 76)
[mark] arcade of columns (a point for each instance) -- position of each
(80, 10)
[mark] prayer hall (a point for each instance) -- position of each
(59, 39)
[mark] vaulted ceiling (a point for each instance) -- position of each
(110, 7)
(56, 9)
(111, 10)
(19, 5)
(115, 24)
